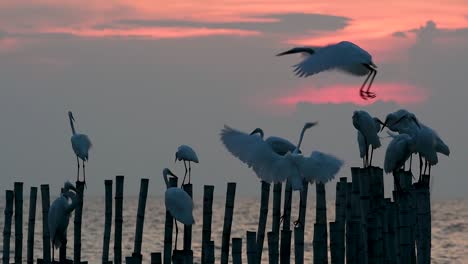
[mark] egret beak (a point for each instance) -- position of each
(384, 125)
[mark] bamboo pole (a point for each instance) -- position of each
(285, 248)
(251, 247)
(156, 258)
(140, 219)
(63, 245)
(273, 253)
(119, 189)
(7, 227)
(352, 231)
(45, 198)
(188, 228)
(277, 188)
(299, 244)
(31, 224)
(18, 222)
(404, 228)
(207, 218)
(303, 205)
(210, 257)
(262, 219)
(340, 220)
(363, 177)
(228, 212)
(389, 234)
(334, 238)
(77, 222)
(107, 221)
(423, 202)
(168, 225)
(236, 250)
(378, 208)
(361, 252)
(320, 226)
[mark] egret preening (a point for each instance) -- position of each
(398, 151)
(59, 215)
(186, 153)
(279, 145)
(178, 203)
(344, 56)
(368, 128)
(81, 145)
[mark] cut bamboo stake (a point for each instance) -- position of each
(210, 257)
(299, 245)
(334, 251)
(356, 213)
(140, 218)
(207, 218)
(7, 227)
(18, 222)
(251, 247)
(320, 226)
(264, 201)
(77, 222)
(404, 228)
(107, 221)
(45, 197)
(277, 188)
(188, 228)
(156, 258)
(351, 239)
(168, 229)
(63, 246)
(363, 177)
(273, 253)
(303, 205)
(237, 250)
(340, 220)
(119, 189)
(423, 199)
(228, 212)
(285, 248)
(31, 225)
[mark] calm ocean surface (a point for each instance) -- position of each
(449, 227)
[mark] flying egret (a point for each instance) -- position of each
(279, 145)
(186, 153)
(344, 56)
(81, 145)
(368, 128)
(178, 203)
(59, 215)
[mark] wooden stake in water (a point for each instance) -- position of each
(334, 251)
(18, 222)
(251, 247)
(264, 201)
(207, 218)
(228, 212)
(107, 221)
(140, 218)
(119, 189)
(363, 179)
(237, 250)
(7, 227)
(168, 229)
(77, 222)
(63, 246)
(31, 224)
(299, 244)
(340, 220)
(188, 228)
(273, 253)
(285, 247)
(210, 257)
(45, 197)
(156, 258)
(423, 201)
(404, 229)
(320, 226)
(277, 188)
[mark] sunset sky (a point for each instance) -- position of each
(143, 77)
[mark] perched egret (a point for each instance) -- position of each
(81, 145)
(186, 153)
(279, 145)
(368, 128)
(59, 215)
(344, 56)
(398, 151)
(178, 203)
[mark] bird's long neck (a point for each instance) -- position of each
(258, 131)
(74, 201)
(72, 125)
(301, 137)
(166, 180)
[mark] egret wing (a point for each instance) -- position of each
(320, 167)
(397, 152)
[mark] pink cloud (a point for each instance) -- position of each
(387, 92)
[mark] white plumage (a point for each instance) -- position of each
(81, 145)
(271, 167)
(178, 203)
(344, 56)
(398, 151)
(186, 153)
(59, 215)
(279, 145)
(368, 128)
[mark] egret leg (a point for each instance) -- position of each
(176, 234)
(189, 171)
(430, 166)
(53, 250)
(78, 165)
(84, 175)
(368, 93)
(361, 91)
(420, 166)
(410, 160)
(371, 154)
(425, 166)
(185, 165)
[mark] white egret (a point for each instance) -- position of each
(178, 203)
(186, 153)
(344, 56)
(279, 145)
(368, 128)
(59, 215)
(81, 145)
(398, 151)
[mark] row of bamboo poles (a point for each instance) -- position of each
(368, 228)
